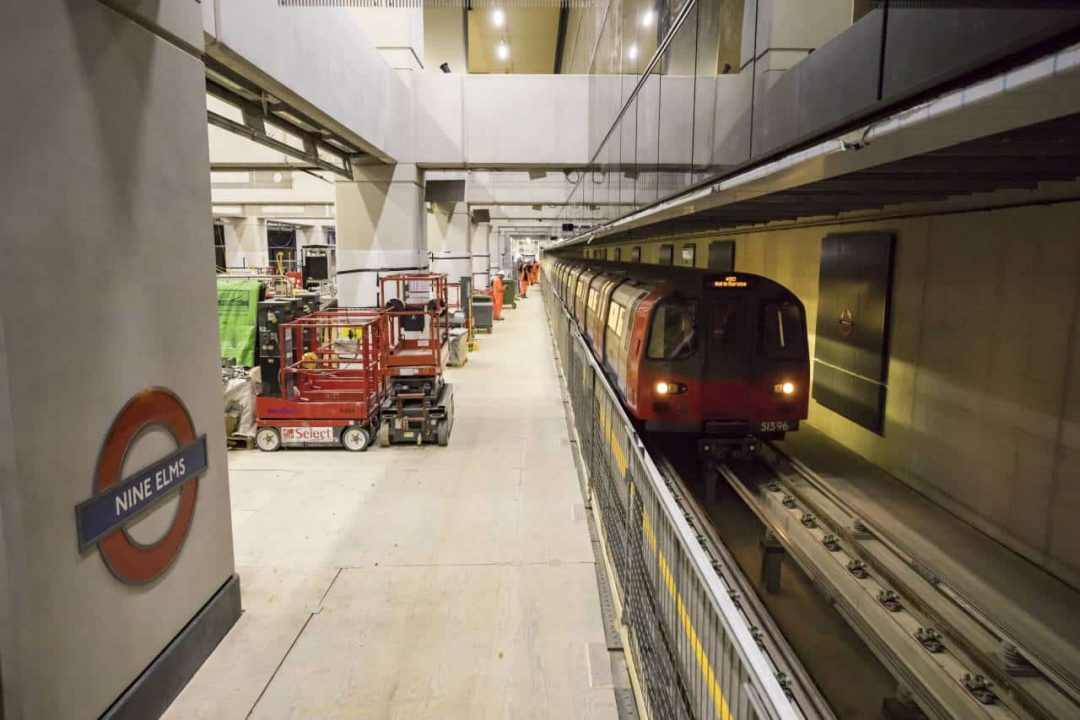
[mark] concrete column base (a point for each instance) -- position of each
(159, 684)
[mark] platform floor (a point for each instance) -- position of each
(410, 582)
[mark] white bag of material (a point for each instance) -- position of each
(239, 396)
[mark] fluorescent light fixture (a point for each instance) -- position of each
(498, 17)
(632, 52)
(282, 210)
(503, 51)
(647, 18)
(228, 210)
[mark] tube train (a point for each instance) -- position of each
(720, 355)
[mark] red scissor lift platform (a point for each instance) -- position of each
(333, 381)
(419, 406)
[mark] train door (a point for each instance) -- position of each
(642, 312)
(728, 347)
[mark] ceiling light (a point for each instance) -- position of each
(498, 17)
(278, 177)
(632, 52)
(647, 18)
(503, 51)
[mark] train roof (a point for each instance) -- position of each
(674, 274)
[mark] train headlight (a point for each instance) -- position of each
(785, 388)
(669, 388)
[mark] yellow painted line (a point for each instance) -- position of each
(720, 705)
(616, 447)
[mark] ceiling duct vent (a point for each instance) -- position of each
(444, 191)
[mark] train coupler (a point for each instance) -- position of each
(730, 448)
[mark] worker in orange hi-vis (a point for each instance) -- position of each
(497, 295)
(523, 278)
(534, 273)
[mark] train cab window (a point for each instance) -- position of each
(727, 320)
(782, 330)
(673, 334)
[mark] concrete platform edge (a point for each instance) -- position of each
(158, 685)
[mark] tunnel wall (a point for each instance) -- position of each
(983, 405)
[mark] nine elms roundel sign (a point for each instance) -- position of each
(102, 520)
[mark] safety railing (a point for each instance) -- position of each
(693, 653)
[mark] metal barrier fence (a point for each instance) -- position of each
(693, 653)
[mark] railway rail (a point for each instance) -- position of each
(956, 658)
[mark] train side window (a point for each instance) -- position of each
(782, 330)
(673, 334)
(615, 316)
(727, 318)
(593, 294)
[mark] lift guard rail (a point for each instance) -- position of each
(694, 655)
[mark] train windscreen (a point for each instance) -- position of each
(783, 334)
(673, 334)
(727, 322)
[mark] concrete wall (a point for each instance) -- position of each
(983, 408)
(323, 58)
(444, 38)
(515, 120)
(107, 288)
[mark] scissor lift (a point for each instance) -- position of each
(332, 383)
(419, 407)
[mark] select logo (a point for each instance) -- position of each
(101, 520)
(307, 434)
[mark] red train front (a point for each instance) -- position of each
(721, 355)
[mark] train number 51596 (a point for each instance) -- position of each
(778, 425)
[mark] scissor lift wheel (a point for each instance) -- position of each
(268, 439)
(355, 438)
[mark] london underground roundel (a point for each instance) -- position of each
(102, 519)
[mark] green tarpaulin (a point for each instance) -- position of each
(238, 310)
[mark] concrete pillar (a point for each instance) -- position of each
(245, 243)
(449, 234)
(105, 604)
(481, 257)
(506, 253)
(381, 227)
